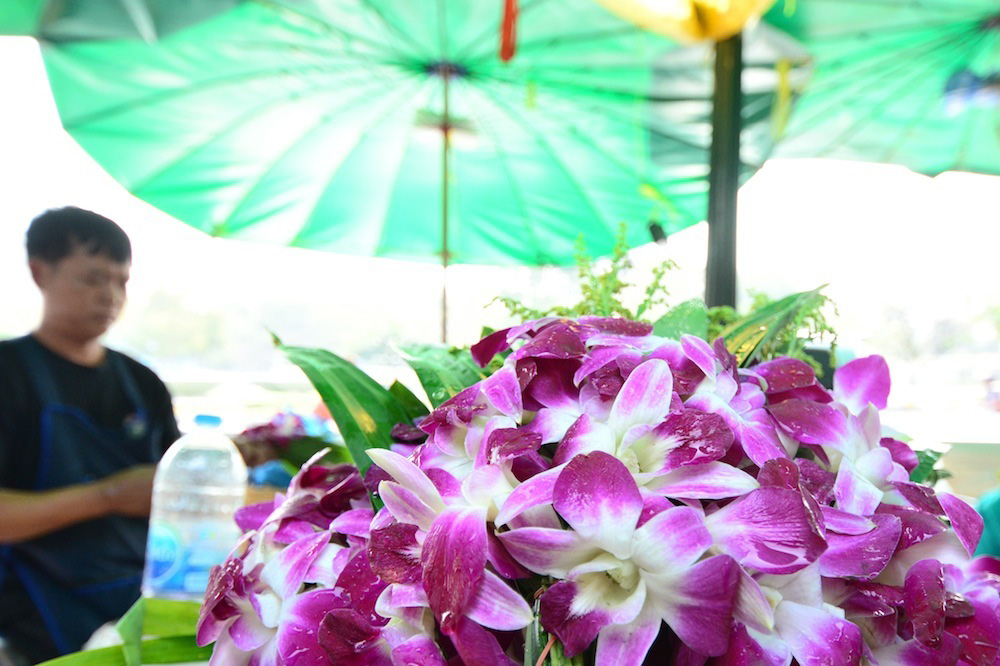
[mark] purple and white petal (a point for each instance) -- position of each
(627, 644)
(596, 495)
(644, 398)
(285, 573)
(418, 650)
(862, 556)
(476, 645)
(585, 436)
(503, 392)
(785, 374)
(966, 521)
(672, 540)
(862, 381)
(698, 603)
(533, 492)
(811, 422)
(843, 522)
(854, 492)
(752, 607)
(496, 606)
(454, 559)
(551, 424)
(700, 353)
(769, 529)
(405, 506)
(552, 552)
(302, 639)
(409, 476)
(915, 653)
(713, 480)
(924, 599)
(688, 437)
(817, 638)
(575, 631)
(355, 522)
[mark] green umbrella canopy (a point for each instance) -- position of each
(62, 20)
(320, 125)
(911, 82)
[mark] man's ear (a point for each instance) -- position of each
(40, 272)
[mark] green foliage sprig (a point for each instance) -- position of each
(601, 290)
(807, 324)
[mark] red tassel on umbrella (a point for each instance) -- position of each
(508, 32)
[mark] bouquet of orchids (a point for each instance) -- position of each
(612, 496)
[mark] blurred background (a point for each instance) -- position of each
(910, 261)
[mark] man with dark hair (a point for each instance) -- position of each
(81, 427)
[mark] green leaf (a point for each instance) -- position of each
(925, 465)
(171, 650)
(690, 317)
(747, 336)
(129, 627)
(411, 403)
(363, 410)
(164, 617)
(443, 372)
(301, 450)
(534, 637)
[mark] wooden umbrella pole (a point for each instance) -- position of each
(445, 153)
(724, 173)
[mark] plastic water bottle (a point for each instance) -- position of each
(199, 484)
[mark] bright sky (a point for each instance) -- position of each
(881, 236)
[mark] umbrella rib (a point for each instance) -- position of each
(323, 21)
(949, 4)
(911, 127)
(547, 148)
(900, 64)
(909, 29)
(230, 125)
(201, 86)
(879, 108)
(891, 54)
(504, 161)
(374, 119)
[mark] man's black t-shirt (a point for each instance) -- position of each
(95, 390)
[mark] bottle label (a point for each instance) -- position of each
(180, 554)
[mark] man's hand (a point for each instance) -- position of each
(128, 492)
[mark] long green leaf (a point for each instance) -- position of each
(690, 317)
(442, 372)
(745, 338)
(300, 450)
(164, 617)
(363, 410)
(129, 627)
(411, 403)
(171, 650)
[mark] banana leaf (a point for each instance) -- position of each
(168, 626)
(443, 372)
(690, 317)
(363, 409)
(747, 337)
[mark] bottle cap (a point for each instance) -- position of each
(207, 420)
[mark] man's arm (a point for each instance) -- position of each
(25, 514)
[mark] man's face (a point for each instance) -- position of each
(84, 293)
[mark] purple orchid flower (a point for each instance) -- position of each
(620, 579)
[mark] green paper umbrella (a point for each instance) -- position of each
(911, 82)
(324, 125)
(66, 20)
